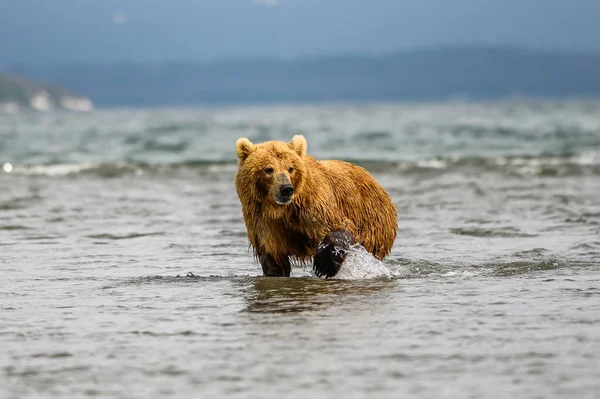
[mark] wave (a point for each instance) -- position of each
(362, 266)
(421, 268)
(116, 169)
(526, 165)
(543, 165)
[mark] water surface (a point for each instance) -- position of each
(126, 270)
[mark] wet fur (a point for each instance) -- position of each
(328, 196)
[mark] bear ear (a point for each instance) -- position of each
(243, 148)
(298, 144)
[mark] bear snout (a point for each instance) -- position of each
(287, 190)
(283, 196)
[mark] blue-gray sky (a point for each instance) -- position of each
(46, 32)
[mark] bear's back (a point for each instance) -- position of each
(365, 202)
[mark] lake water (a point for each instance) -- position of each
(126, 271)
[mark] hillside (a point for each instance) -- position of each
(434, 74)
(20, 94)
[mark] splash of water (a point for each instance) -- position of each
(361, 264)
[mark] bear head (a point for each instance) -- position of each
(272, 172)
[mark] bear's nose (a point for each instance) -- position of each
(286, 190)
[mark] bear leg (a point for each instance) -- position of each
(332, 252)
(273, 269)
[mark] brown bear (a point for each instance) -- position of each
(298, 208)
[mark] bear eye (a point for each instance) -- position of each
(268, 170)
(291, 170)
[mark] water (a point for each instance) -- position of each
(360, 264)
(126, 271)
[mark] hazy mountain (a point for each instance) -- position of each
(19, 94)
(434, 74)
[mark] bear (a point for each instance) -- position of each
(300, 209)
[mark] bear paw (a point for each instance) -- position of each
(331, 253)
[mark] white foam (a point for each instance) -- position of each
(361, 264)
(7, 167)
(77, 104)
(41, 101)
(53, 170)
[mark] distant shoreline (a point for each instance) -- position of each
(348, 103)
(17, 95)
(429, 75)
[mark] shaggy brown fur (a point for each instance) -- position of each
(328, 196)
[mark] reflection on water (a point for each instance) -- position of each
(294, 295)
